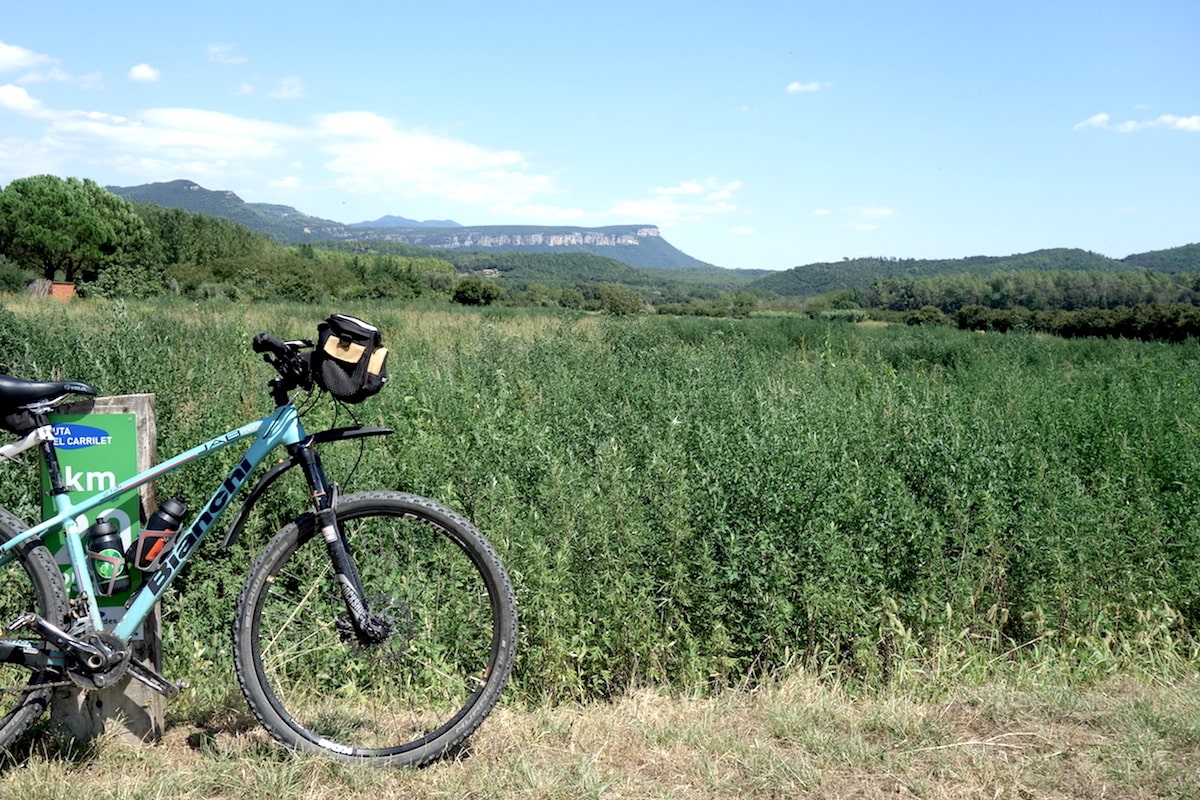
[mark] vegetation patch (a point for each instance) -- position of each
(701, 504)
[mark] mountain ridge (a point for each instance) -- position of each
(635, 245)
(638, 246)
(392, 221)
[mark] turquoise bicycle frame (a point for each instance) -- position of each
(281, 427)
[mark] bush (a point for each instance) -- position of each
(928, 315)
(475, 291)
(13, 277)
(621, 301)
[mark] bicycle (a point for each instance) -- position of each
(376, 627)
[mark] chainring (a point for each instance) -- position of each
(85, 677)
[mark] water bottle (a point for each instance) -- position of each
(106, 556)
(156, 537)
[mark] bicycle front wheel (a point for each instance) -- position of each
(448, 615)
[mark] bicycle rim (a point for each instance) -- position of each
(450, 619)
(29, 581)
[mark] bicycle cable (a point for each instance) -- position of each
(339, 406)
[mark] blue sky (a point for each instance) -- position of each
(755, 134)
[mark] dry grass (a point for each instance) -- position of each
(803, 739)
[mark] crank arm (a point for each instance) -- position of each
(88, 654)
(158, 683)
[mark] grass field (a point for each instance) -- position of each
(994, 536)
(1037, 736)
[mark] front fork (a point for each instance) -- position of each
(324, 494)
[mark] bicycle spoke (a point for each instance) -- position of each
(432, 605)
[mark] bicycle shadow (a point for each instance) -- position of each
(47, 743)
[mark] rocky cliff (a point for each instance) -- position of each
(635, 245)
(498, 238)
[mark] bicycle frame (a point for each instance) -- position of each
(281, 427)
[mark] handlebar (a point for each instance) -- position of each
(266, 343)
(288, 360)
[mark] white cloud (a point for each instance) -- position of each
(812, 86)
(289, 89)
(14, 57)
(143, 73)
(224, 54)
(20, 158)
(872, 212)
(742, 230)
(859, 218)
(162, 143)
(354, 154)
(371, 154)
(867, 218)
(538, 211)
(14, 98)
(1190, 124)
(53, 75)
(724, 192)
(285, 182)
(687, 187)
(690, 201)
(43, 68)
(1094, 121)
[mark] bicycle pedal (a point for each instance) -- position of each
(142, 672)
(23, 621)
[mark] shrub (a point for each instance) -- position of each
(475, 291)
(13, 277)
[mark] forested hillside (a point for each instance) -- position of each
(1034, 290)
(73, 231)
(281, 223)
(858, 273)
(1176, 259)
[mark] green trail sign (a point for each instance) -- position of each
(96, 452)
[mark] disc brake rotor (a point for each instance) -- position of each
(391, 623)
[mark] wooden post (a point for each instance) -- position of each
(129, 708)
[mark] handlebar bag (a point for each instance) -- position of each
(350, 361)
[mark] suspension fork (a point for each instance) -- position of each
(324, 496)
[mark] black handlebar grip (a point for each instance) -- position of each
(266, 343)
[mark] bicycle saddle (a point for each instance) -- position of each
(16, 392)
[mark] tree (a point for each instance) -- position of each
(189, 237)
(71, 230)
(475, 291)
(742, 304)
(621, 301)
(927, 315)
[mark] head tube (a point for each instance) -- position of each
(282, 427)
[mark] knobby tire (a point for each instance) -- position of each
(29, 581)
(416, 693)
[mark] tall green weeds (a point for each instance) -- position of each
(702, 503)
